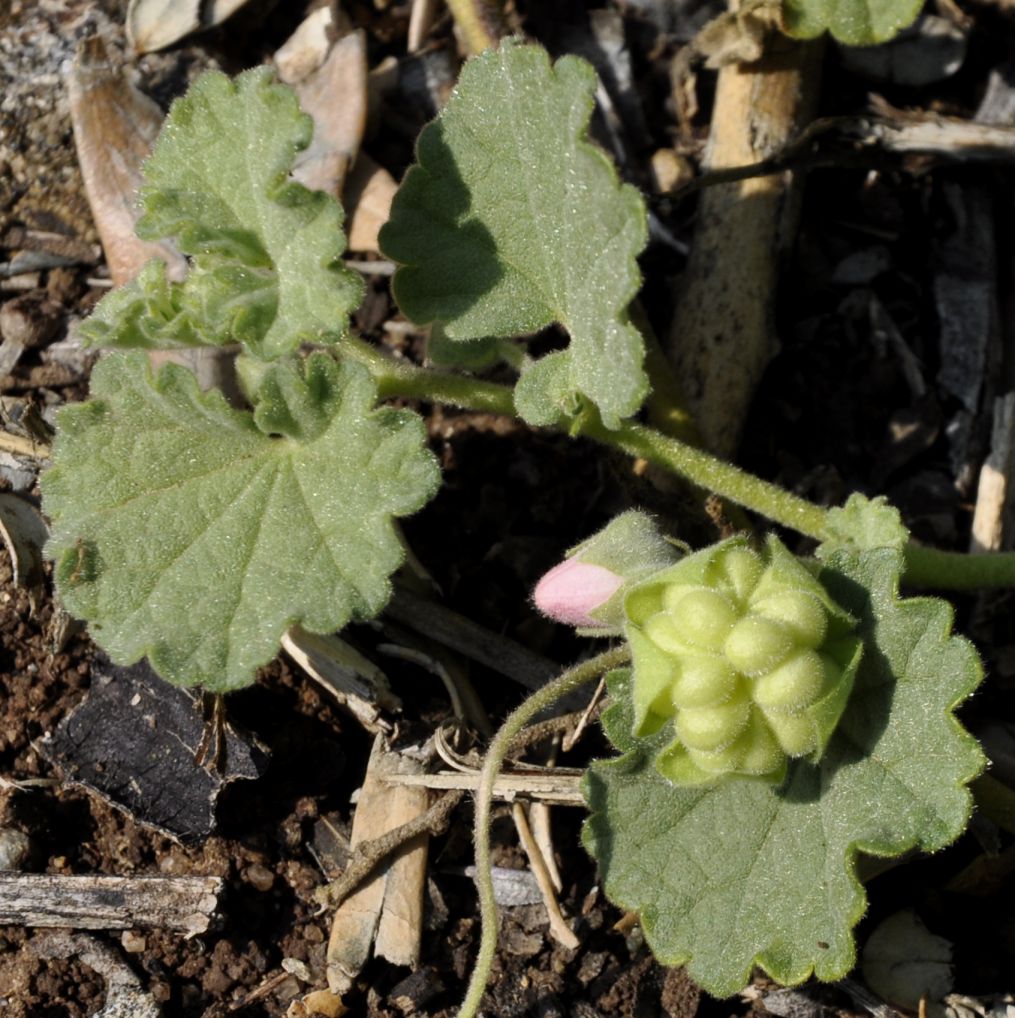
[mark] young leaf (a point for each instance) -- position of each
(743, 872)
(853, 22)
(265, 268)
(185, 532)
(863, 524)
(512, 220)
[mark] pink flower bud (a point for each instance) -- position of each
(573, 589)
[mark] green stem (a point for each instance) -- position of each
(584, 673)
(714, 475)
(400, 378)
(666, 407)
(958, 570)
(925, 567)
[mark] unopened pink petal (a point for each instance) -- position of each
(568, 592)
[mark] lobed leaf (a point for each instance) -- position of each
(512, 220)
(196, 534)
(863, 524)
(265, 252)
(745, 873)
(853, 22)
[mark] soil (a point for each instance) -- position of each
(834, 414)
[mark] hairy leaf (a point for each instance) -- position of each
(863, 524)
(265, 252)
(474, 355)
(854, 22)
(744, 872)
(512, 220)
(197, 534)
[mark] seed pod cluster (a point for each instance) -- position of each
(746, 654)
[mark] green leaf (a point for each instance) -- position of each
(474, 355)
(266, 265)
(184, 531)
(853, 22)
(743, 872)
(513, 220)
(863, 524)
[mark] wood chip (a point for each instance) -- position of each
(155, 24)
(992, 525)
(369, 192)
(24, 532)
(181, 904)
(389, 907)
(332, 88)
(115, 126)
(556, 788)
(356, 682)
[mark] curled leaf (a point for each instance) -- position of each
(265, 252)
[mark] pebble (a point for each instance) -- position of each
(133, 942)
(14, 848)
(259, 876)
(30, 320)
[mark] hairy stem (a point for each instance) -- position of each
(925, 567)
(481, 23)
(958, 570)
(714, 474)
(584, 673)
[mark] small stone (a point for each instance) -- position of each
(30, 320)
(669, 171)
(133, 942)
(14, 848)
(259, 877)
(297, 968)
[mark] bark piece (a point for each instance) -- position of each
(930, 51)
(416, 990)
(722, 335)
(181, 904)
(390, 907)
(966, 300)
(115, 126)
(330, 79)
(134, 740)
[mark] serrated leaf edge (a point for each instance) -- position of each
(640, 755)
(174, 376)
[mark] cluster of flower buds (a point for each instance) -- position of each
(743, 652)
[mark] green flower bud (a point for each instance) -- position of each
(587, 589)
(745, 654)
